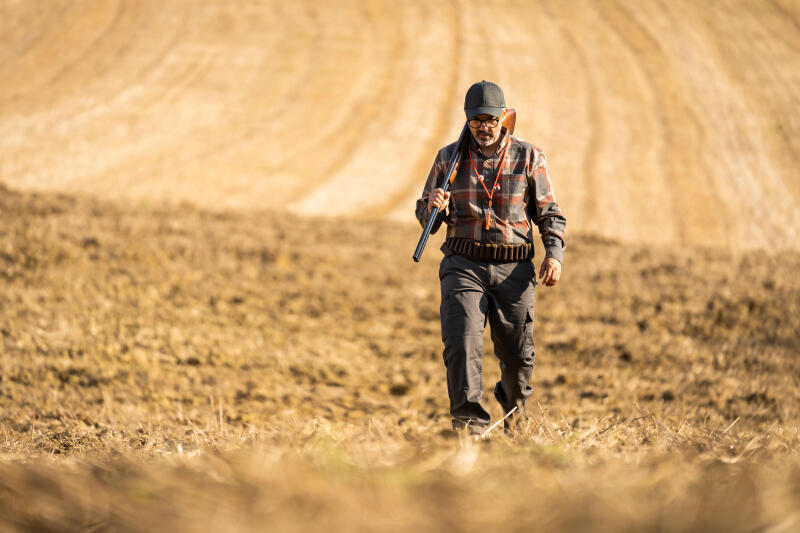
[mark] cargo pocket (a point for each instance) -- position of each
(527, 343)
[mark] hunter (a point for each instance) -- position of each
(501, 189)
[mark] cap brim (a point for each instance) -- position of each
(486, 110)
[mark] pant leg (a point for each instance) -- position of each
(463, 314)
(511, 295)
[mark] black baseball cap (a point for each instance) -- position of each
(484, 98)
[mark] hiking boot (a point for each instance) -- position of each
(519, 416)
(468, 426)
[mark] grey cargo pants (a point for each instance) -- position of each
(472, 292)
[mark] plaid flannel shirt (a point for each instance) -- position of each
(525, 196)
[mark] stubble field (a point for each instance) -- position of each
(178, 368)
(210, 320)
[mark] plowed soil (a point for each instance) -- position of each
(209, 318)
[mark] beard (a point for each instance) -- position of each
(484, 140)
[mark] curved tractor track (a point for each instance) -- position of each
(664, 122)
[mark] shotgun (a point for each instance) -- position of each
(508, 121)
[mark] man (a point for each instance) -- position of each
(502, 187)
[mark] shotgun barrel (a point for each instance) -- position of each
(452, 169)
(508, 120)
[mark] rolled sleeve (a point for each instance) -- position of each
(548, 216)
(434, 180)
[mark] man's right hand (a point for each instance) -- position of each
(438, 198)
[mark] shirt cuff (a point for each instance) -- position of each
(556, 252)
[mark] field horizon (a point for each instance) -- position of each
(663, 123)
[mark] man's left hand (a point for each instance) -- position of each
(550, 271)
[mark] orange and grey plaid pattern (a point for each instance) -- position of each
(524, 197)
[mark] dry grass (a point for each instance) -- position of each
(168, 367)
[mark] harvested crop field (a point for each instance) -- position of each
(203, 327)
(196, 367)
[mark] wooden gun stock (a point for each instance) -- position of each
(508, 121)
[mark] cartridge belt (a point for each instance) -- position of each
(498, 252)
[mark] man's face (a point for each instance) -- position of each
(485, 129)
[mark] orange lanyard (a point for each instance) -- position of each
(496, 185)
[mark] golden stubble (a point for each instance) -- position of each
(170, 365)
